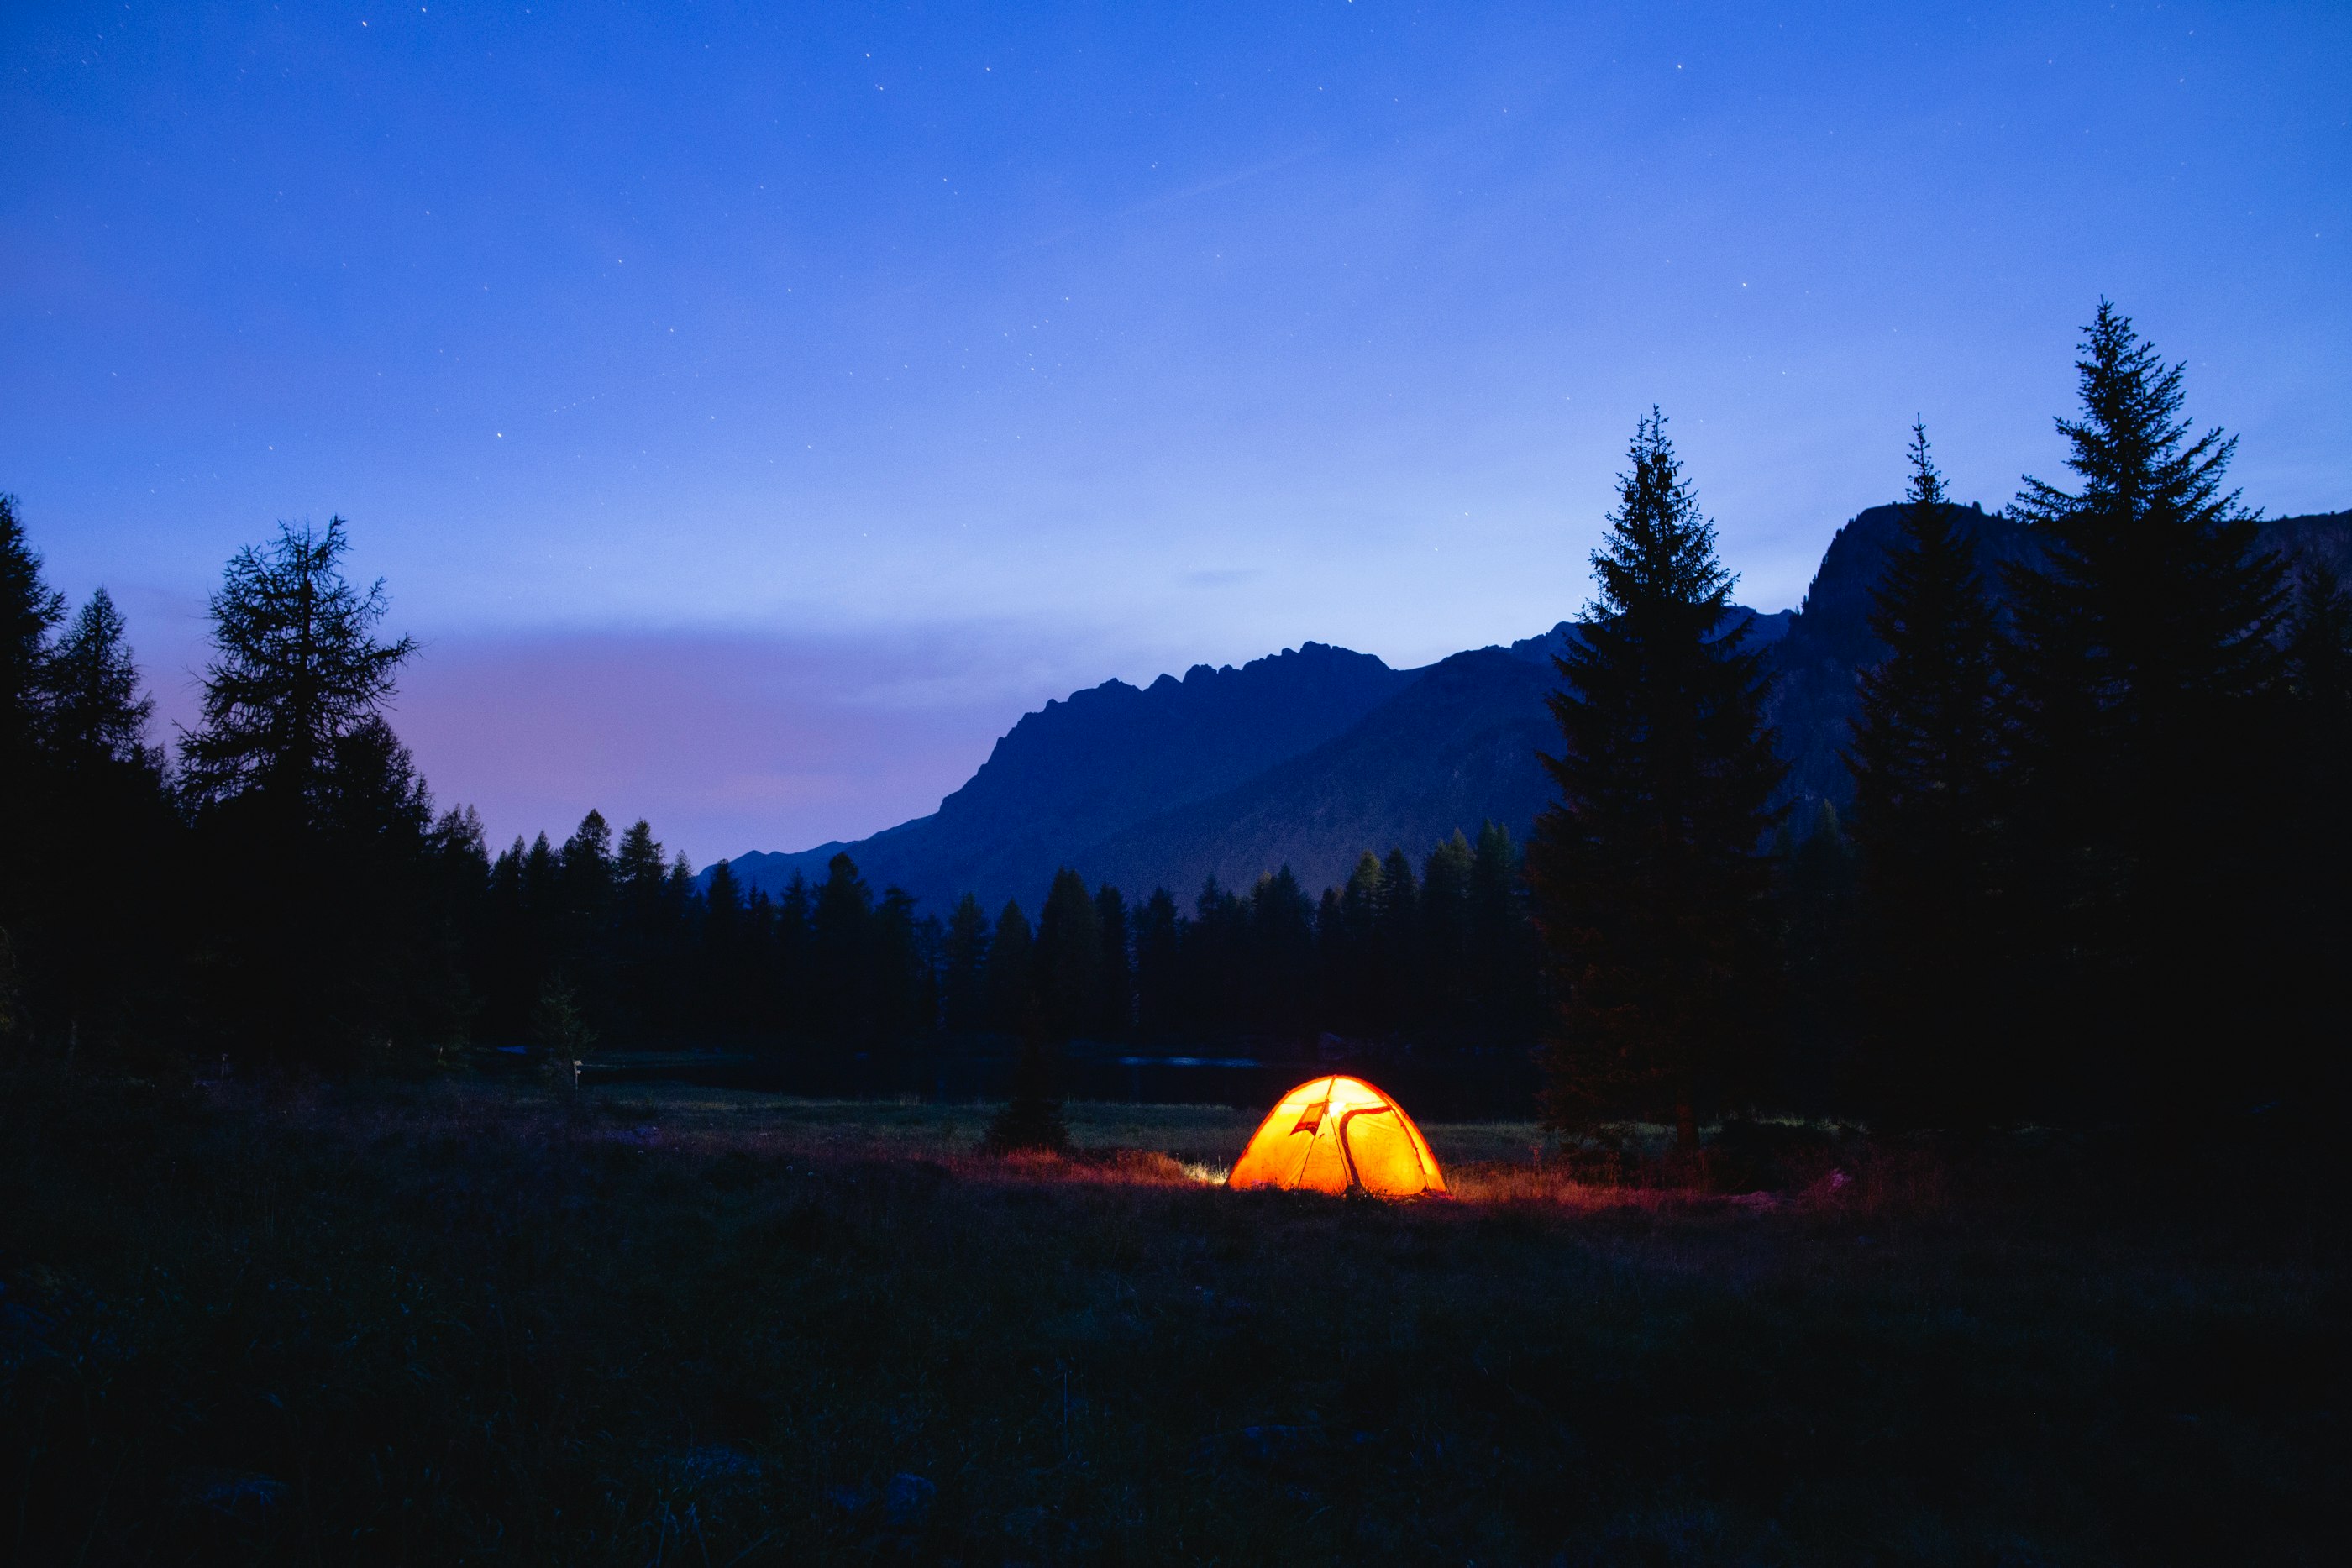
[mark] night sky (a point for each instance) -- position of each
(755, 409)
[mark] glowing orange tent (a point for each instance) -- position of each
(1338, 1134)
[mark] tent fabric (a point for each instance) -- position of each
(1338, 1134)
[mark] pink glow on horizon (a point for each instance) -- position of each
(700, 734)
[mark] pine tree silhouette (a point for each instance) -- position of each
(1066, 965)
(1115, 1001)
(967, 958)
(1008, 977)
(1649, 891)
(2145, 648)
(30, 609)
(1926, 759)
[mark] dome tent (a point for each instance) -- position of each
(1338, 1134)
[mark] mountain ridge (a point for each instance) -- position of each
(1310, 756)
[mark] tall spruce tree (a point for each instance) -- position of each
(1396, 973)
(108, 826)
(1926, 759)
(29, 609)
(903, 1004)
(645, 942)
(1010, 979)
(842, 944)
(1357, 987)
(95, 719)
(1282, 989)
(2145, 746)
(1504, 963)
(1066, 967)
(1649, 891)
(586, 920)
(1159, 966)
(1444, 960)
(727, 943)
(965, 994)
(1114, 1002)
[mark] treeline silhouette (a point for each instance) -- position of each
(316, 908)
(590, 940)
(2095, 867)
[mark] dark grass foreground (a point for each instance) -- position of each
(474, 1324)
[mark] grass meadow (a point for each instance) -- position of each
(467, 1320)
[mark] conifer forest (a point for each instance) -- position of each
(2094, 870)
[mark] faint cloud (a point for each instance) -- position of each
(1226, 577)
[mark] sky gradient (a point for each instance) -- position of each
(754, 409)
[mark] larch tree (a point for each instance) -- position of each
(1650, 890)
(301, 793)
(295, 667)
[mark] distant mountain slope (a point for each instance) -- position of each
(1454, 748)
(1308, 757)
(1071, 775)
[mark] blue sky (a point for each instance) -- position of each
(755, 409)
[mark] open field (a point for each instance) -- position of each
(1206, 1135)
(462, 1321)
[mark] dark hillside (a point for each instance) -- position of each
(1080, 770)
(1454, 748)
